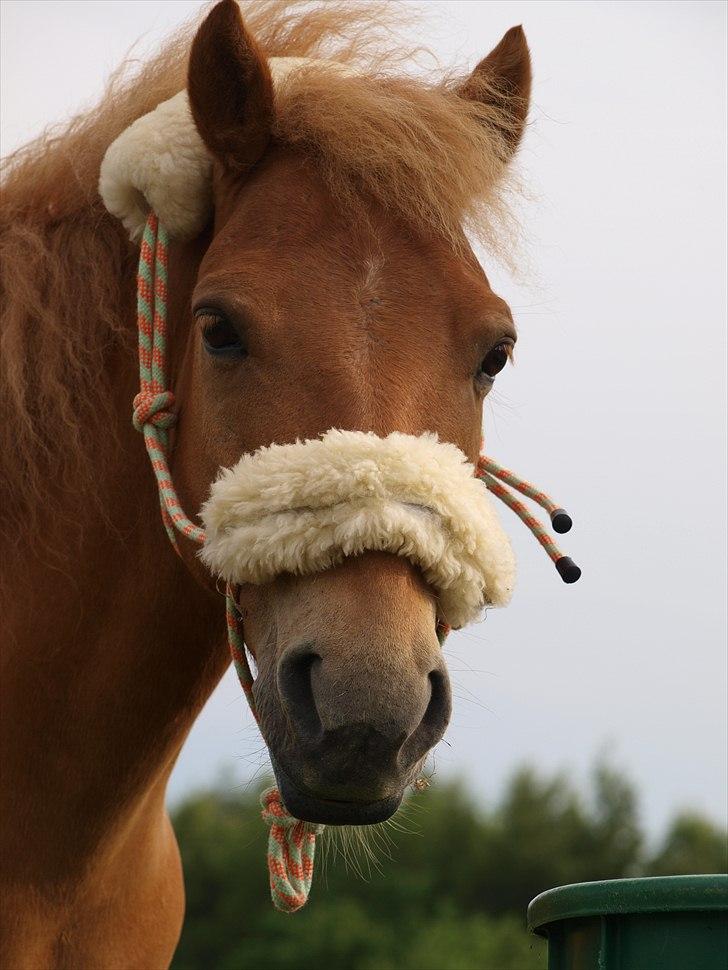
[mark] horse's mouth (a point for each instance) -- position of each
(326, 811)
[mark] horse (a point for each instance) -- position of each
(333, 287)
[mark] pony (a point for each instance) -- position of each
(334, 286)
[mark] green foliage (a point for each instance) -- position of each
(692, 844)
(448, 887)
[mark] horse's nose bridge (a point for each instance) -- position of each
(374, 604)
(387, 590)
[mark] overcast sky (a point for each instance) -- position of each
(616, 405)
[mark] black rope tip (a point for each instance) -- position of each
(568, 570)
(560, 521)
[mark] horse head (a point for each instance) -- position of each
(334, 288)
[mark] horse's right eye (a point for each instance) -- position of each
(219, 336)
(493, 363)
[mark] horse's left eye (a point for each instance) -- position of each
(219, 336)
(494, 362)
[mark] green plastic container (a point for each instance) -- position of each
(664, 923)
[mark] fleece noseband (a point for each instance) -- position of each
(304, 507)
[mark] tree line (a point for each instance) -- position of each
(444, 886)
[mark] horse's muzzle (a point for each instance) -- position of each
(349, 757)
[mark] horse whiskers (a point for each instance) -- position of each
(363, 847)
(359, 846)
(397, 825)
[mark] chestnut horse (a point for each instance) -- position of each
(334, 288)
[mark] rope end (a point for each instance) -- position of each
(560, 521)
(567, 569)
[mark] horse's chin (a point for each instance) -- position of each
(309, 807)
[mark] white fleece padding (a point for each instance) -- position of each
(160, 162)
(304, 507)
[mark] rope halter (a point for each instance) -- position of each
(291, 842)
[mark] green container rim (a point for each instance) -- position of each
(656, 894)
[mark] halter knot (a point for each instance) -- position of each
(155, 409)
(291, 849)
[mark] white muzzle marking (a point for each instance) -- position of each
(304, 507)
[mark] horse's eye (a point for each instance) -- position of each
(494, 362)
(219, 336)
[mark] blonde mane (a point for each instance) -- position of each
(435, 159)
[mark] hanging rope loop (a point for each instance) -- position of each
(291, 851)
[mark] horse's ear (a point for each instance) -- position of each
(230, 89)
(502, 80)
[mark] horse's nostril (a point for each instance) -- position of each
(433, 724)
(294, 684)
(437, 714)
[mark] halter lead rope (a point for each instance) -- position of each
(291, 842)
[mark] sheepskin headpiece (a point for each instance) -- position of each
(161, 163)
(304, 507)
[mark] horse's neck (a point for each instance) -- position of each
(111, 651)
